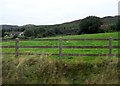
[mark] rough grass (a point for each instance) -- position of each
(46, 70)
(70, 70)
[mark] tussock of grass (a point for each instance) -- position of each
(44, 70)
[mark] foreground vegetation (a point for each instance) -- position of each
(45, 70)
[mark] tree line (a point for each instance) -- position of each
(88, 25)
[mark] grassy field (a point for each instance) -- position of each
(36, 42)
(45, 69)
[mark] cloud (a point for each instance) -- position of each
(53, 11)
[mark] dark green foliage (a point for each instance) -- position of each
(40, 32)
(90, 25)
(62, 30)
(35, 32)
(15, 36)
(118, 25)
(69, 28)
(50, 33)
(29, 33)
(113, 28)
(58, 31)
(22, 29)
(3, 33)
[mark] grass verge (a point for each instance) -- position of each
(47, 70)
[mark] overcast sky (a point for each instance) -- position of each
(47, 12)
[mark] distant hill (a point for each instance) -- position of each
(110, 19)
(72, 25)
(67, 28)
(9, 27)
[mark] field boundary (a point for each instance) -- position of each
(109, 47)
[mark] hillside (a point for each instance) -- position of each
(9, 27)
(72, 24)
(67, 28)
(110, 20)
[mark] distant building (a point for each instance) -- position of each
(17, 34)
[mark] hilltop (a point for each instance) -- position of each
(67, 28)
(73, 24)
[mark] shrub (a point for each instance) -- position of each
(90, 25)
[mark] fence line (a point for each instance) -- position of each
(64, 54)
(110, 47)
(62, 46)
(53, 39)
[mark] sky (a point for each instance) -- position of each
(49, 12)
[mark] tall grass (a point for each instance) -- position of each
(45, 70)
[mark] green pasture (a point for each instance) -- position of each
(36, 42)
(35, 69)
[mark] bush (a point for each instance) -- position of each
(90, 25)
(118, 25)
(29, 33)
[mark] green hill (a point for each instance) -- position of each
(67, 28)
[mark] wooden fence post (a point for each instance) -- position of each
(110, 46)
(17, 48)
(60, 47)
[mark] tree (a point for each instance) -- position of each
(60, 31)
(118, 25)
(113, 27)
(50, 33)
(38, 32)
(90, 24)
(29, 33)
(3, 33)
(15, 36)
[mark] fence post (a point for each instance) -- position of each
(110, 46)
(17, 48)
(60, 47)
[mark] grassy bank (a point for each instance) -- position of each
(45, 70)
